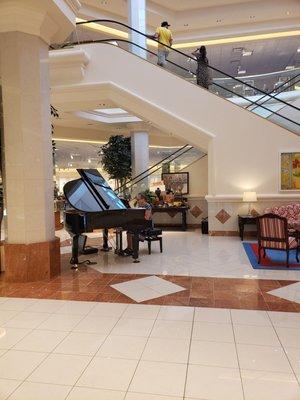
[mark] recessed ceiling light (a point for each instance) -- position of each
(241, 71)
(287, 12)
(247, 53)
(298, 50)
(111, 111)
(288, 67)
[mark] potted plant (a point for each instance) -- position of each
(116, 158)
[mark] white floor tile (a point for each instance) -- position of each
(216, 315)
(32, 391)
(146, 396)
(10, 336)
(137, 311)
(289, 337)
(130, 347)
(213, 332)
(108, 373)
(19, 364)
(263, 358)
(171, 329)
(133, 327)
(59, 322)
(143, 289)
(270, 386)
(6, 315)
(114, 310)
(7, 386)
(261, 335)
(86, 344)
(26, 320)
(213, 354)
(48, 306)
(39, 340)
(16, 304)
(159, 378)
(82, 393)
(213, 383)
(174, 313)
(96, 324)
(60, 369)
(167, 350)
(76, 307)
(293, 355)
(250, 317)
(289, 292)
(285, 319)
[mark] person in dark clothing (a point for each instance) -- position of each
(203, 71)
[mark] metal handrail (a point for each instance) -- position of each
(177, 51)
(185, 69)
(152, 166)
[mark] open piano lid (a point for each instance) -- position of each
(91, 193)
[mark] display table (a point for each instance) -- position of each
(245, 220)
(172, 211)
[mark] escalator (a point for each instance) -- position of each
(241, 91)
(175, 162)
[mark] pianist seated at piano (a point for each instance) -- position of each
(141, 203)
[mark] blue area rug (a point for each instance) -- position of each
(274, 260)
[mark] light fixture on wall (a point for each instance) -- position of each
(249, 197)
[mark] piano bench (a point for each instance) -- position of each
(153, 235)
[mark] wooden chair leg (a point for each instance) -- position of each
(259, 255)
(297, 253)
(264, 253)
(287, 258)
(149, 246)
(160, 245)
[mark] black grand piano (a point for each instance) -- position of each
(94, 206)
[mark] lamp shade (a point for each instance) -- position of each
(250, 197)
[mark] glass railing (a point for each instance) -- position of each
(256, 93)
(178, 160)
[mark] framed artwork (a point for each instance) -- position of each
(290, 170)
(177, 182)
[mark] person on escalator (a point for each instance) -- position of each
(204, 77)
(163, 35)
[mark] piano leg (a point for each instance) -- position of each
(135, 247)
(75, 250)
(105, 246)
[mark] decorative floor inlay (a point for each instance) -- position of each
(148, 288)
(289, 292)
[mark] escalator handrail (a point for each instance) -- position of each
(277, 93)
(185, 69)
(152, 166)
(158, 168)
(177, 51)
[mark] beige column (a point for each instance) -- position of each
(28, 177)
(140, 160)
(31, 251)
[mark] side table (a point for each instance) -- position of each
(245, 220)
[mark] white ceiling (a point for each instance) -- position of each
(183, 5)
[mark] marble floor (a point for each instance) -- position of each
(77, 350)
(185, 254)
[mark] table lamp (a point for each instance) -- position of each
(249, 197)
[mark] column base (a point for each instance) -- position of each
(31, 262)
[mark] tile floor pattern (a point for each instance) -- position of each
(75, 350)
(185, 254)
(88, 284)
(289, 292)
(151, 287)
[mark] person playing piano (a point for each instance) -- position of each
(141, 203)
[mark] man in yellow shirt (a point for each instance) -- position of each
(163, 35)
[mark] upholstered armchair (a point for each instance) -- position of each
(273, 234)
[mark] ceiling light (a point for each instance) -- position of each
(111, 111)
(89, 160)
(289, 67)
(241, 71)
(287, 12)
(298, 50)
(247, 53)
(72, 157)
(210, 42)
